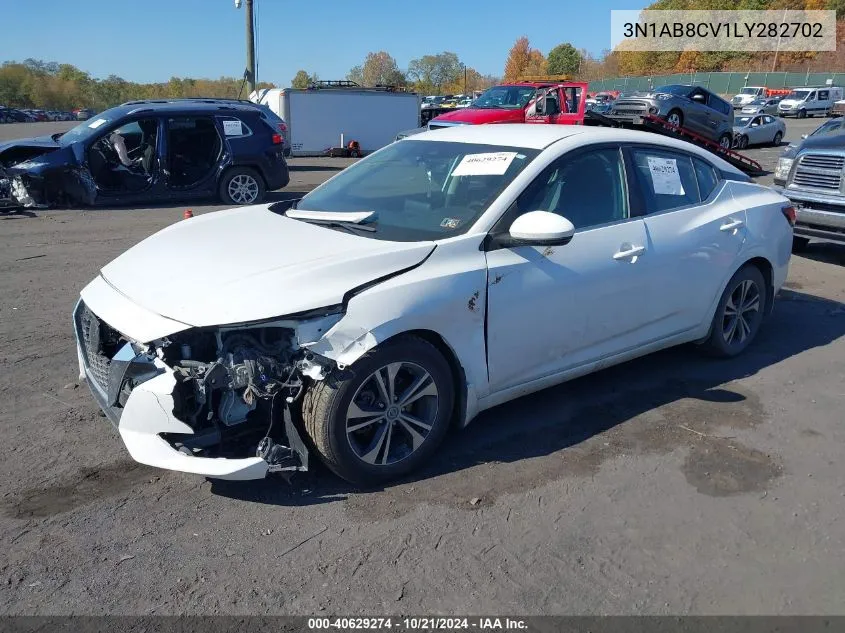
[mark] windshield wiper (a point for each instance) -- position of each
(352, 227)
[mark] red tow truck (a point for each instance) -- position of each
(556, 100)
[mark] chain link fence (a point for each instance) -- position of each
(724, 83)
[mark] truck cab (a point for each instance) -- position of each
(747, 95)
(522, 102)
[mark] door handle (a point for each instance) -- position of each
(731, 225)
(629, 253)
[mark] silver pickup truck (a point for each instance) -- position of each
(812, 175)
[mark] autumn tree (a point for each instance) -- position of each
(430, 73)
(564, 59)
(518, 59)
(379, 69)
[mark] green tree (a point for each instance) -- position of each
(302, 80)
(381, 69)
(564, 59)
(431, 72)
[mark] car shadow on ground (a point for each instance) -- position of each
(825, 252)
(565, 416)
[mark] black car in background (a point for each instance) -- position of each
(150, 151)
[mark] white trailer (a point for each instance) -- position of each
(317, 118)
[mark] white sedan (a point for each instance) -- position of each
(442, 275)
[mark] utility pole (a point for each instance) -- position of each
(249, 73)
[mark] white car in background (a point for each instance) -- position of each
(440, 276)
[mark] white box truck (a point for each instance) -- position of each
(318, 117)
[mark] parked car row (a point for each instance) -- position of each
(29, 115)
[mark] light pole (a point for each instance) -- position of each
(249, 73)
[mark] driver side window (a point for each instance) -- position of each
(588, 189)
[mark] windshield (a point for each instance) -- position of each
(748, 91)
(742, 121)
(799, 95)
(421, 190)
(674, 90)
(509, 97)
(87, 129)
(833, 126)
(758, 102)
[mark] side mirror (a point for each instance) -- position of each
(541, 228)
(540, 106)
(698, 98)
(803, 136)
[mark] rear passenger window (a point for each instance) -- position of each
(667, 180)
(706, 177)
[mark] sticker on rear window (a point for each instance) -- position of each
(232, 128)
(665, 177)
(96, 124)
(488, 164)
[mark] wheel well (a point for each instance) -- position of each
(765, 268)
(458, 376)
(253, 168)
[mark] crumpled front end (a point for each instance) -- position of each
(217, 402)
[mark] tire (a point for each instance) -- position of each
(778, 138)
(729, 336)
(354, 455)
(802, 114)
(743, 142)
(241, 186)
(726, 141)
(799, 244)
(675, 115)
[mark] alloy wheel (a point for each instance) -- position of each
(674, 118)
(243, 189)
(741, 311)
(391, 413)
(725, 142)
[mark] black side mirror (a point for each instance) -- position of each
(540, 106)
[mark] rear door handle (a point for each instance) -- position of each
(731, 225)
(629, 253)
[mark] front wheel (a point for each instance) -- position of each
(802, 114)
(743, 142)
(387, 417)
(241, 185)
(725, 141)
(739, 314)
(675, 117)
(778, 138)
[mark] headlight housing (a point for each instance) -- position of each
(783, 168)
(663, 97)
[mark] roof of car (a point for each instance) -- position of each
(542, 136)
(182, 105)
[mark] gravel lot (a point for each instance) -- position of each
(671, 484)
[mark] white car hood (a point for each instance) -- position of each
(789, 102)
(250, 264)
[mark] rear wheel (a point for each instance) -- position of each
(739, 313)
(241, 185)
(778, 138)
(387, 417)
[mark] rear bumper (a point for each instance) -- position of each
(818, 218)
(276, 173)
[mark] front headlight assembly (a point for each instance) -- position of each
(783, 168)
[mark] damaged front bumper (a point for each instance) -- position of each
(191, 416)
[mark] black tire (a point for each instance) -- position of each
(679, 114)
(227, 191)
(326, 404)
(799, 244)
(802, 114)
(726, 141)
(778, 138)
(743, 142)
(723, 340)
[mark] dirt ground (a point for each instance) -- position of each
(671, 484)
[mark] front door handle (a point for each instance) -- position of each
(731, 225)
(629, 253)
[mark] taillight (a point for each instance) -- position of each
(789, 214)
(278, 139)
(282, 127)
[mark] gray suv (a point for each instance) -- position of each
(812, 175)
(691, 107)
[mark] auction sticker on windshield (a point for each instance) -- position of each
(664, 176)
(487, 164)
(96, 124)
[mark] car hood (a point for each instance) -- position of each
(251, 264)
(478, 116)
(789, 102)
(38, 141)
(828, 142)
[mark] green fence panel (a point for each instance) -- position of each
(726, 83)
